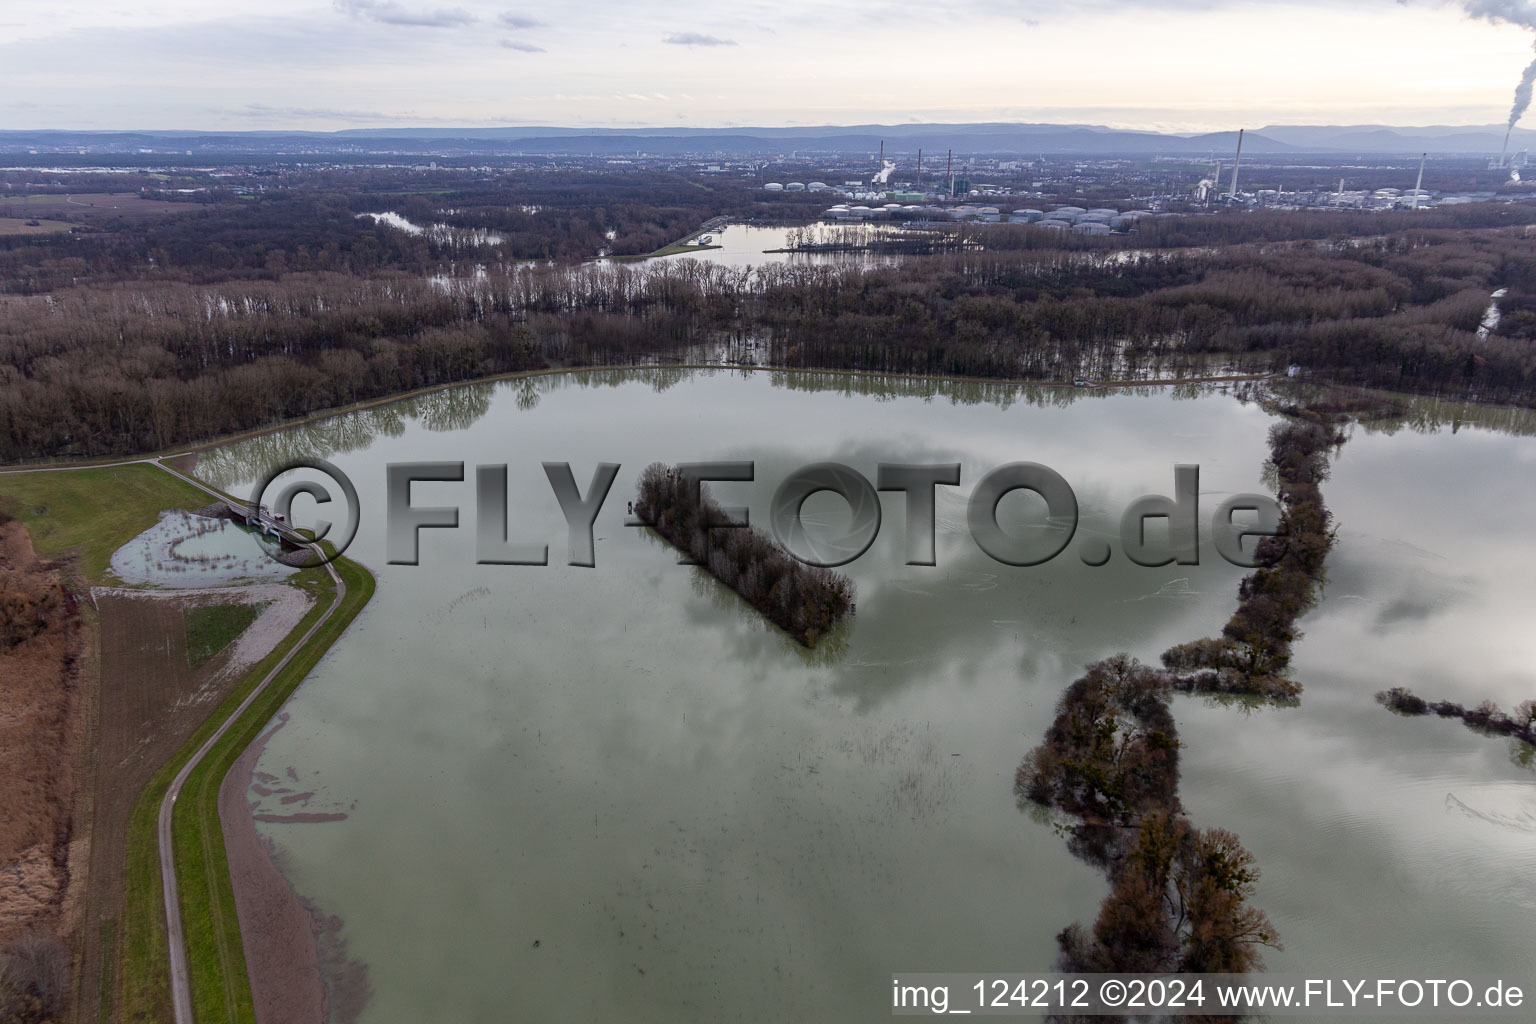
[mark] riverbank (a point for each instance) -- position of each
(177, 452)
(122, 943)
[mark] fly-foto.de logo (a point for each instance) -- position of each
(1175, 538)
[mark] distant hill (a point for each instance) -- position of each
(1023, 140)
(1375, 138)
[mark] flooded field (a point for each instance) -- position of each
(613, 793)
(746, 245)
(184, 550)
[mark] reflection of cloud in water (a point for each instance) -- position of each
(920, 629)
(1402, 581)
(1409, 610)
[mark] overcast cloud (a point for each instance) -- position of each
(1183, 65)
(696, 39)
(394, 14)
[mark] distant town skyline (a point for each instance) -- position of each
(1169, 65)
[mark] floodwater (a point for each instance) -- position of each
(183, 550)
(746, 245)
(613, 793)
(443, 234)
(1491, 317)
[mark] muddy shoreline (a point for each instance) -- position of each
(295, 956)
(277, 931)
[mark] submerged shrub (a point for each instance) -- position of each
(805, 601)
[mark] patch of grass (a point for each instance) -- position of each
(214, 627)
(93, 512)
(32, 226)
(221, 990)
(679, 247)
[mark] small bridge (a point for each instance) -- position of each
(259, 517)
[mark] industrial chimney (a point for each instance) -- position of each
(1236, 163)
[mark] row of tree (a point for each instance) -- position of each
(1179, 895)
(1254, 650)
(137, 365)
(804, 600)
(1486, 717)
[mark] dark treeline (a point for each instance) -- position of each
(1486, 717)
(262, 239)
(136, 365)
(184, 364)
(803, 600)
(575, 215)
(1338, 228)
(1254, 650)
(308, 222)
(1179, 895)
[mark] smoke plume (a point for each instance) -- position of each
(1523, 93)
(1511, 12)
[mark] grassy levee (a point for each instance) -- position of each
(221, 990)
(93, 511)
(677, 247)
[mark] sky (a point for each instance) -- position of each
(1168, 65)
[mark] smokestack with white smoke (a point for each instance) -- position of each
(1511, 12)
